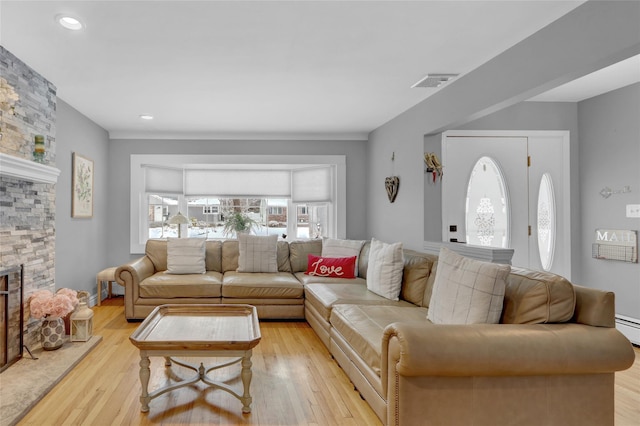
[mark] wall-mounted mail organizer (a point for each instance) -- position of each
(616, 244)
(611, 252)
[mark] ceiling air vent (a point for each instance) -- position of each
(435, 80)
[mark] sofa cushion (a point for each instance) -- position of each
(415, 275)
(331, 267)
(363, 326)
(467, 291)
(163, 285)
(259, 285)
(156, 251)
(324, 296)
(312, 279)
(363, 260)
(283, 257)
(533, 297)
(186, 256)
(258, 253)
(213, 257)
(384, 274)
(342, 248)
(299, 252)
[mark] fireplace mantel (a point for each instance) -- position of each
(30, 171)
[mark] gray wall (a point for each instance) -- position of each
(119, 176)
(609, 127)
(594, 35)
(81, 249)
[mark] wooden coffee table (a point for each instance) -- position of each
(198, 331)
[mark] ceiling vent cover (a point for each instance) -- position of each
(435, 80)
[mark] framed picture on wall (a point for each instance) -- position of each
(82, 187)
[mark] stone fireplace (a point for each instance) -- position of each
(27, 188)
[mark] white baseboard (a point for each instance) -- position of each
(630, 327)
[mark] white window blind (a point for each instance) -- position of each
(162, 179)
(245, 183)
(312, 185)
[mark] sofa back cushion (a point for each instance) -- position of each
(230, 254)
(534, 297)
(284, 265)
(363, 260)
(417, 269)
(156, 251)
(299, 252)
(231, 251)
(213, 259)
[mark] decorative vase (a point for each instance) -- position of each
(52, 333)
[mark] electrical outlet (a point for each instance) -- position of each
(633, 210)
(453, 228)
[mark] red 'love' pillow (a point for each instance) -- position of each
(334, 267)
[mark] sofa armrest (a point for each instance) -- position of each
(594, 307)
(411, 349)
(135, 271)
(130, 275)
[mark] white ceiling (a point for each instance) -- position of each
(238, 69)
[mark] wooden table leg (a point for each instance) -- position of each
(99, 284)
(246, 381)
(145, 373)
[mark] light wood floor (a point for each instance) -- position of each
(295, 382)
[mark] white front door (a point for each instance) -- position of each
(459, 156)
(475, 210)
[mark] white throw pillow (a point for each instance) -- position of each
(258, 253)
(186, 255)
(467, 291)
(384, 273)
(342, 248)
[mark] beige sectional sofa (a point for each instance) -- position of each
(550, 361)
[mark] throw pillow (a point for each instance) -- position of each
(334, 267)
(258, 253)
(342, 248)
(384, 273)
(186, 255)
(467, 291)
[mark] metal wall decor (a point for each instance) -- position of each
(608, 192)
(391, 184)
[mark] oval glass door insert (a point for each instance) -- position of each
(546, 221)
(487, 208)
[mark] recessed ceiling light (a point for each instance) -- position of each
(146, 117)
(69, 22)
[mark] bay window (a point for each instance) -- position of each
(294, 197)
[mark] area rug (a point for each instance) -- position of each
(27, 381)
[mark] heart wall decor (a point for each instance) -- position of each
(391, 184)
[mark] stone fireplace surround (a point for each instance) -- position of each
(27, 189)
(28, 233)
